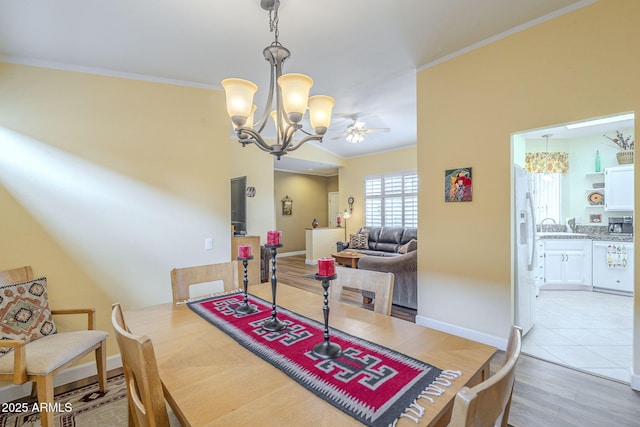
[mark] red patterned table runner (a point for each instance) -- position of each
(372, 383)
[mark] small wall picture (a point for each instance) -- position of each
(595, 218)
(458, 185)
(287, 206)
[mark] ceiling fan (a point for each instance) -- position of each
(356, 131)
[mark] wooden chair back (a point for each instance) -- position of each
(183, 278)
(16, 275)
(488, 403)
(381, 284)
(147, 406)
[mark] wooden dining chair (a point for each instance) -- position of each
(377, 283)
(488, 403)
(184, 278)
(39, 360)
(147, 406)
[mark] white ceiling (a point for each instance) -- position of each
(364, 53)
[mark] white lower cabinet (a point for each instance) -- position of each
(567, 263)
(613, 266)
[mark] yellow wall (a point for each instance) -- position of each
(580, 65)
(106, 184)
(257, 166)
(265, 208)
(356, 169)
(310, 200)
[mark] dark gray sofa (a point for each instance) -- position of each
(405, 271)
(383, 241)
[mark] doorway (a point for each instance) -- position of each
(334, 209)
(239, 205)
(575, 324)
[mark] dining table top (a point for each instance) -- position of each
(209, 379)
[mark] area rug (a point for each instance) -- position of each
(374, 384)
(84, 406)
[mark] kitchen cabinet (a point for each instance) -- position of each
(613, 266)
(567, 264)
(618, 184)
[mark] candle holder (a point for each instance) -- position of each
(274, 324)
(326, 349)
(245, 307)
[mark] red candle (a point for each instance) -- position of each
(326, 267)
(244, 251)
(274, 237)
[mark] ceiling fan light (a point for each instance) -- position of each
(295, 94)
(320, 107)
(355, 137)
(239, 95)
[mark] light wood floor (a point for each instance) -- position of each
(545, 394)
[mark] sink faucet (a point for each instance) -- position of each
(551, 219)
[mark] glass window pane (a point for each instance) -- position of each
(393, 185)
(373, 212)
(373, 187)
(546, 196)
(392, 200)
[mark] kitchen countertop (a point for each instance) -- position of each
(591, 232)
(556, 235)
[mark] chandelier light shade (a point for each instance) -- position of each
(239, 93)
(320, 107)
(286, 104)
(295, 94)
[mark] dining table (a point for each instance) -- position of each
(211, 380)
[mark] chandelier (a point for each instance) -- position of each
(291, 95)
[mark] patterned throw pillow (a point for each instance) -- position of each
(24, 312)
(359, 241)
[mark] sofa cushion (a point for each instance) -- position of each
(408, 235)
(373, 232)
(359, 241)
(410, 246)
(391, 235)
(24, 312)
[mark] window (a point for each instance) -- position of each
(391, 200)
(546, 196)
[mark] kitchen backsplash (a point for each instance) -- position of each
(586, 229)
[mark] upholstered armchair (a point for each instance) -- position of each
(404, 268)
(31, 349)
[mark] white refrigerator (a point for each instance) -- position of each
(525, 251)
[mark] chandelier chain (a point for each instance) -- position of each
(273, 25)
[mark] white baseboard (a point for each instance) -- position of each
(12, 392)
(292, 253)
(471, 334)
(311, 261)
(634, 380)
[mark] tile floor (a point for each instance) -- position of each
(591, 331)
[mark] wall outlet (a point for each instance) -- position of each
(208, 243)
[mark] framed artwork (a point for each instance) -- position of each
(595, 218)
(287, 206)
(458, 185)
